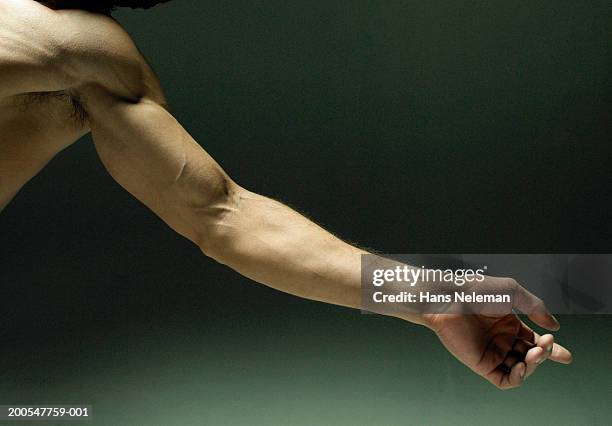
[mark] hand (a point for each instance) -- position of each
(501, 348)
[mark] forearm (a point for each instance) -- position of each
(274, 245)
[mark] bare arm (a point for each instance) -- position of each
(155, 159)
(147, 151)
(150, 154)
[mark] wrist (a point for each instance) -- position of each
(424, 319)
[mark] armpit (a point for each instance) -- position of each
(60, 106)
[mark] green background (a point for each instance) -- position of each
(404, 126)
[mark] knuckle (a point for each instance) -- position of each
(512, 283)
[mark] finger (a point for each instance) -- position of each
(522, 347)
(560, 354)
(535, 356)
(512, 359)
(527, 334)
(515, 378)
(534, 308)
(546, 342)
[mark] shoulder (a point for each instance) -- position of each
(64, 50)
(94, 32)
(98, 50)
(71, 46)
(94, 48)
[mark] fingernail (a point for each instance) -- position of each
(522, 374)
(556, 320)
(539, 360)
(549, 349)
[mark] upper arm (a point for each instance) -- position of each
(154, 158)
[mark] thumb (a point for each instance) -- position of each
(534, 308)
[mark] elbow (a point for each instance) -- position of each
(216, 231)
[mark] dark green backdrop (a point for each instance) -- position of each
(407, 126)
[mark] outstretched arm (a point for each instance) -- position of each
(147, 151)
(150, 154)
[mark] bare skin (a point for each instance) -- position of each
(150, 154)
(42, 50)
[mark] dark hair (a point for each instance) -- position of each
(103, 5)
(134, 4)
